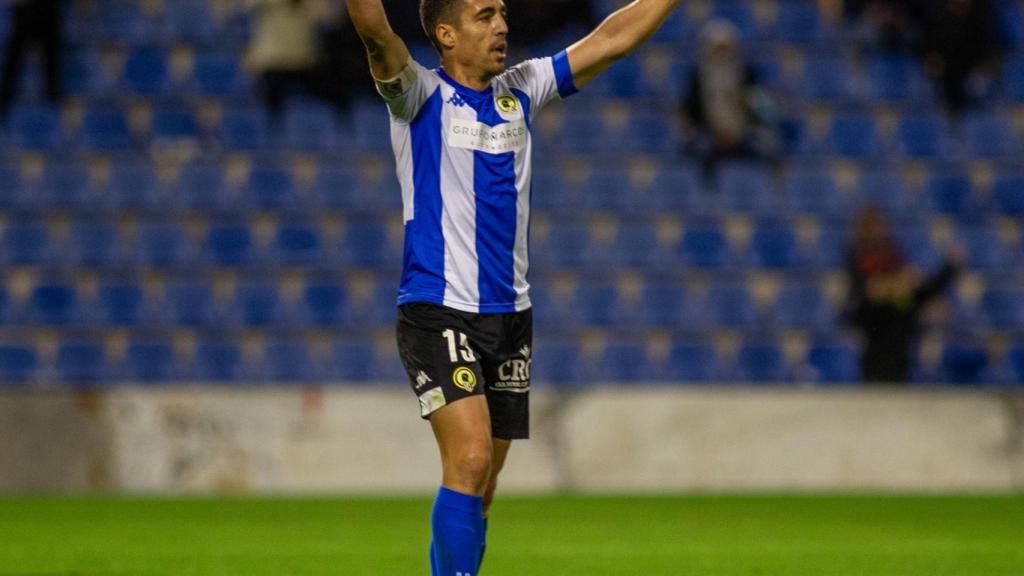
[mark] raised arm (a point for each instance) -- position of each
(387, 52)
(616, 37)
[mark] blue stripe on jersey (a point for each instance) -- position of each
(423, 272)
(494, 181)
(563, 74)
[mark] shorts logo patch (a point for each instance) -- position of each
(464, 378)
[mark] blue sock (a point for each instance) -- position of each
(483, 548)
(458, 525)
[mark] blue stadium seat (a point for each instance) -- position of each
(798, 22)
(82, 363)
(12, 187)
(5, 305)
(18, 364)
(985, 249)
(36, 128)
(370, 121)
(596, 303)
(774, 245)
(748, 187)
(120, 304)
(53, 304)
(174, 124)
(27, 243)
(82, 73)
(219, 361)
(120, 22)
(812, 191)
(884, 188)
(133, 186)
(637, 245)
(607, 188)
(965, 364)
(923, 136)
(650, 134)
(106, 129)
(558, 362)
(270, 188)
(201, 186)
(1013, 77)
(566, 245)
(64, 184)
(229, 244)
(838, 363)
(324, 304)
(190, 303)
(855, 136)
(583, 132)
(95, 244)
(287, 361)
(311, 127)
(1008, 195)
(244, 129)
(365, 244)
(988, 134)
(146, 71)
(918, 246)
(257, 304)
(161, 244)
(664, 304)
(897, 77)
(623, 362)
(705, 246)
(1015, 361)
(1003, 308)
(189, 21)
(827, 78)
(335, 186)
(677, 187)
(297, 244)
(693, 362)
(149, 362)
(218, 74)
(761, 363)
(739, 13)
(730, 305)
(353, 361)
(802, 304)
(830, 247)
(951, 195)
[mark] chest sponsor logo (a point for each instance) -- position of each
(500, 139)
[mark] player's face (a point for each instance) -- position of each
(483, 35)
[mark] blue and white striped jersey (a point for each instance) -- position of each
(463, 159)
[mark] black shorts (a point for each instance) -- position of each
(450, 355)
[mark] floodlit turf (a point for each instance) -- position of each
(585, 536)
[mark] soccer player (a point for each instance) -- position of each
(462, 144)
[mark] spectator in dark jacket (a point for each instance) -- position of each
(887, 296)
(32, 22)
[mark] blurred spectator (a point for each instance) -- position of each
(725, 111)
(32, 22)
(886, 297)
(286, 54)
(961, 46)
(887, 25)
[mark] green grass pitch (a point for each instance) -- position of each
(558, 536)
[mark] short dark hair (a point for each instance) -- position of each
(434, 12)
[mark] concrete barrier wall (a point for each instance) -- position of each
(604, 439)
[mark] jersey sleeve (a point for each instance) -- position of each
(543, 80)
(405, 93)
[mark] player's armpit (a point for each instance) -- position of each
(617, 36)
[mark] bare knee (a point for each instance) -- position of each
(469, 469)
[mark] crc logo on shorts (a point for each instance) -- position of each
(507, 103)
(464, 378)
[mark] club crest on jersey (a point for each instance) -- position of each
(464, 378)
(507, 103)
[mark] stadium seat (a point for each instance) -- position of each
(1003, 308)
(690, 362)
(82, 363)
(774, 245)
(287, 361)
(12, 187)
(257, 304)
(146, 71)
(650, 134)
(335, 186)
(951, 195)
(730, 305)
(739, 13)
(190, 303)
(36, 128)
(201, 186)
(897, 77)
(964, 364)
(761, 363)
(566, 245)
(827, 78)
(324, 304)
(189, 21)
(558, 362)
(133, 186)
(596, 303)
(297, 244)
(747, 187)
(985, 249)
(623, 362)
(677, 188)
(95, 244)
(798, 22)
(149, 362)
(370, 122)
(161, 244)
(244, 129)
(229, 244)
(53, 304)
(834, 363)
(988, 134)
(27, 243)
(82, 73)
(106, 129)
(583, 131)
(365, 244)
(219, 361)
(1015, 360)
(270, 188)
(120, 304)
(855, 137)
(918, 246)
(64, 184)
(705, 246)
(311, 127)
(18, 364)
(883, 187)
(923, 136)
(812, 191)
(801, 304)
(607, 188)
(664, 304)
(1008, 195)
(637, 245)
(174, 124)
(1013, 78)
(353, 361)
(218, 74)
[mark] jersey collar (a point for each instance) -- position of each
(464, 90)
